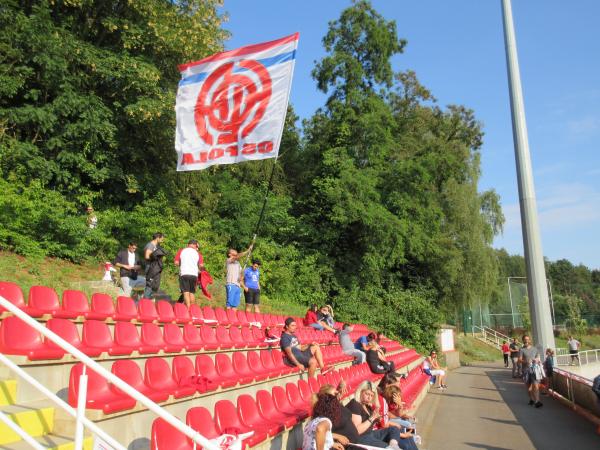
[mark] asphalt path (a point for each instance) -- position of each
(485, 408)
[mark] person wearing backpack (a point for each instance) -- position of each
(533, 372)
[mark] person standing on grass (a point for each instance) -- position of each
(533, 372)
(514, 357)
(251, 285)
(233, 277)
(190, 264)
(574, 345)
(505, 352)
(129, 265)
(153, 255)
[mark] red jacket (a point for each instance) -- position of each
(311, 317)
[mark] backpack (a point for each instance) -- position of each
(596, 386)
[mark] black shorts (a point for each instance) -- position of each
(252, 297)
(187, 283)
(302, 356)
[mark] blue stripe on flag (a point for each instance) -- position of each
(267, 62)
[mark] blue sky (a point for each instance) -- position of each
(457, 50)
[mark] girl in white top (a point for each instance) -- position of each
(317, 432)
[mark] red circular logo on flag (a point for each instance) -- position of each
(232, 101)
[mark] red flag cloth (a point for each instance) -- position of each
(204, 279)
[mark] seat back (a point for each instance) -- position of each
(240, 364)
(126, 308)
(75, 301)
(147, 310)
(196, 313)
(305, 391)
(208, 313)
(208, 335)
(16, 337)
(165, 311)
(172, 335)
(232, 317)
(95, 333)
(280, 399)
(224, 366)
(191, 334)
(165, 436)
(221, 316)
(235, 334)
(126, 334)
(97, 386)
(206, 367)
(66, 330)
(128, 371)
(13, 293)
(242, 317)
(183, 370)
(226, 416)
(158, 375)
(259, 334)
(267, 360)
(43, 298)
(103, 304)
(222, 335)
(255, 362)
(247, 336)
(200, 419)
(248, 411)
(293, 394)
(151, 335)
(182, 313)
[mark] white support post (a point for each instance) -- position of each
(81, 402)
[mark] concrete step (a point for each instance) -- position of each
(36, 419)
(51, 442)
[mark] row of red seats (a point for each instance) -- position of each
(404, 358)
(43, 300)
(18, 338)
(266, 416)
(412, 386)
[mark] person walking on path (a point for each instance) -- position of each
(129, 265)
(233, 277)
(190, 264)
(533, 372)
(514, 357)
(153, 255)
(251, 285)
(505, 353)
(574, 346)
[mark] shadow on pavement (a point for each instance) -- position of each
(553, 426)
(487, 447)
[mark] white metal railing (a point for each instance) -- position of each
(79, 414)
(490, 335)
(579, 359)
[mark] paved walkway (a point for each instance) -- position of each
(485, 408)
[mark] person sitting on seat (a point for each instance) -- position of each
(298, 355)
(326, 411)
(377, 361)
(312, 320)
(362, 343)
(431, 367)
(348, 347)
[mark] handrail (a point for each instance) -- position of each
(60, 402)
(123, 386)
(495, 337)
(18, 430)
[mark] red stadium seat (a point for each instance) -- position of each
(18, 338)
(259, 337)
(256, 365)
(200, 420)
(196, 314)
(185, 374)
(128, 371)
(158, 376)
(248, 337)
(280, 364)
(45, 299)
(295, 398)
(96, 334)
(242, 369)
(13, 293)
(305, 391)
(232, 317)
(103, 305)
(236, 338)
(99, 393)
(165, 312)
(225, 370)
(222, 335)
(126, 335)
(68, 331)
(209, 338)
(250, 316)
(221, 316)
(182, 313)
(147, 311)
(126, 309)
(250, 416)
(172, 335)
(206, 367)
(314, 385)
(269, 365)
(282, 403)
(242, 318)
(152, 335)
(267, 408)
(226, 416)
(192, 338)
(165, 436)
(75, 304)
(209, 314)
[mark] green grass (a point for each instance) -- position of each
(472, 350)
(61, 275)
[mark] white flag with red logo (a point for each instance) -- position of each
(231, 106)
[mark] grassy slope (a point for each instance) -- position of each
(61, 275)
(472, 349)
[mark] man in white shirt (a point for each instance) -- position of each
(190, 263)
(574, 345)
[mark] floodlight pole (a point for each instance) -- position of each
(539, 307)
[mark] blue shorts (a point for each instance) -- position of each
(233, 295)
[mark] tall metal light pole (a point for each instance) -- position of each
(541, 322)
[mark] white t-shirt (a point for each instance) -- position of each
(189, 262)
(310, 431)
(130, 258)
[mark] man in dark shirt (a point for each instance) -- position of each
(298, 355)
(514, 357)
